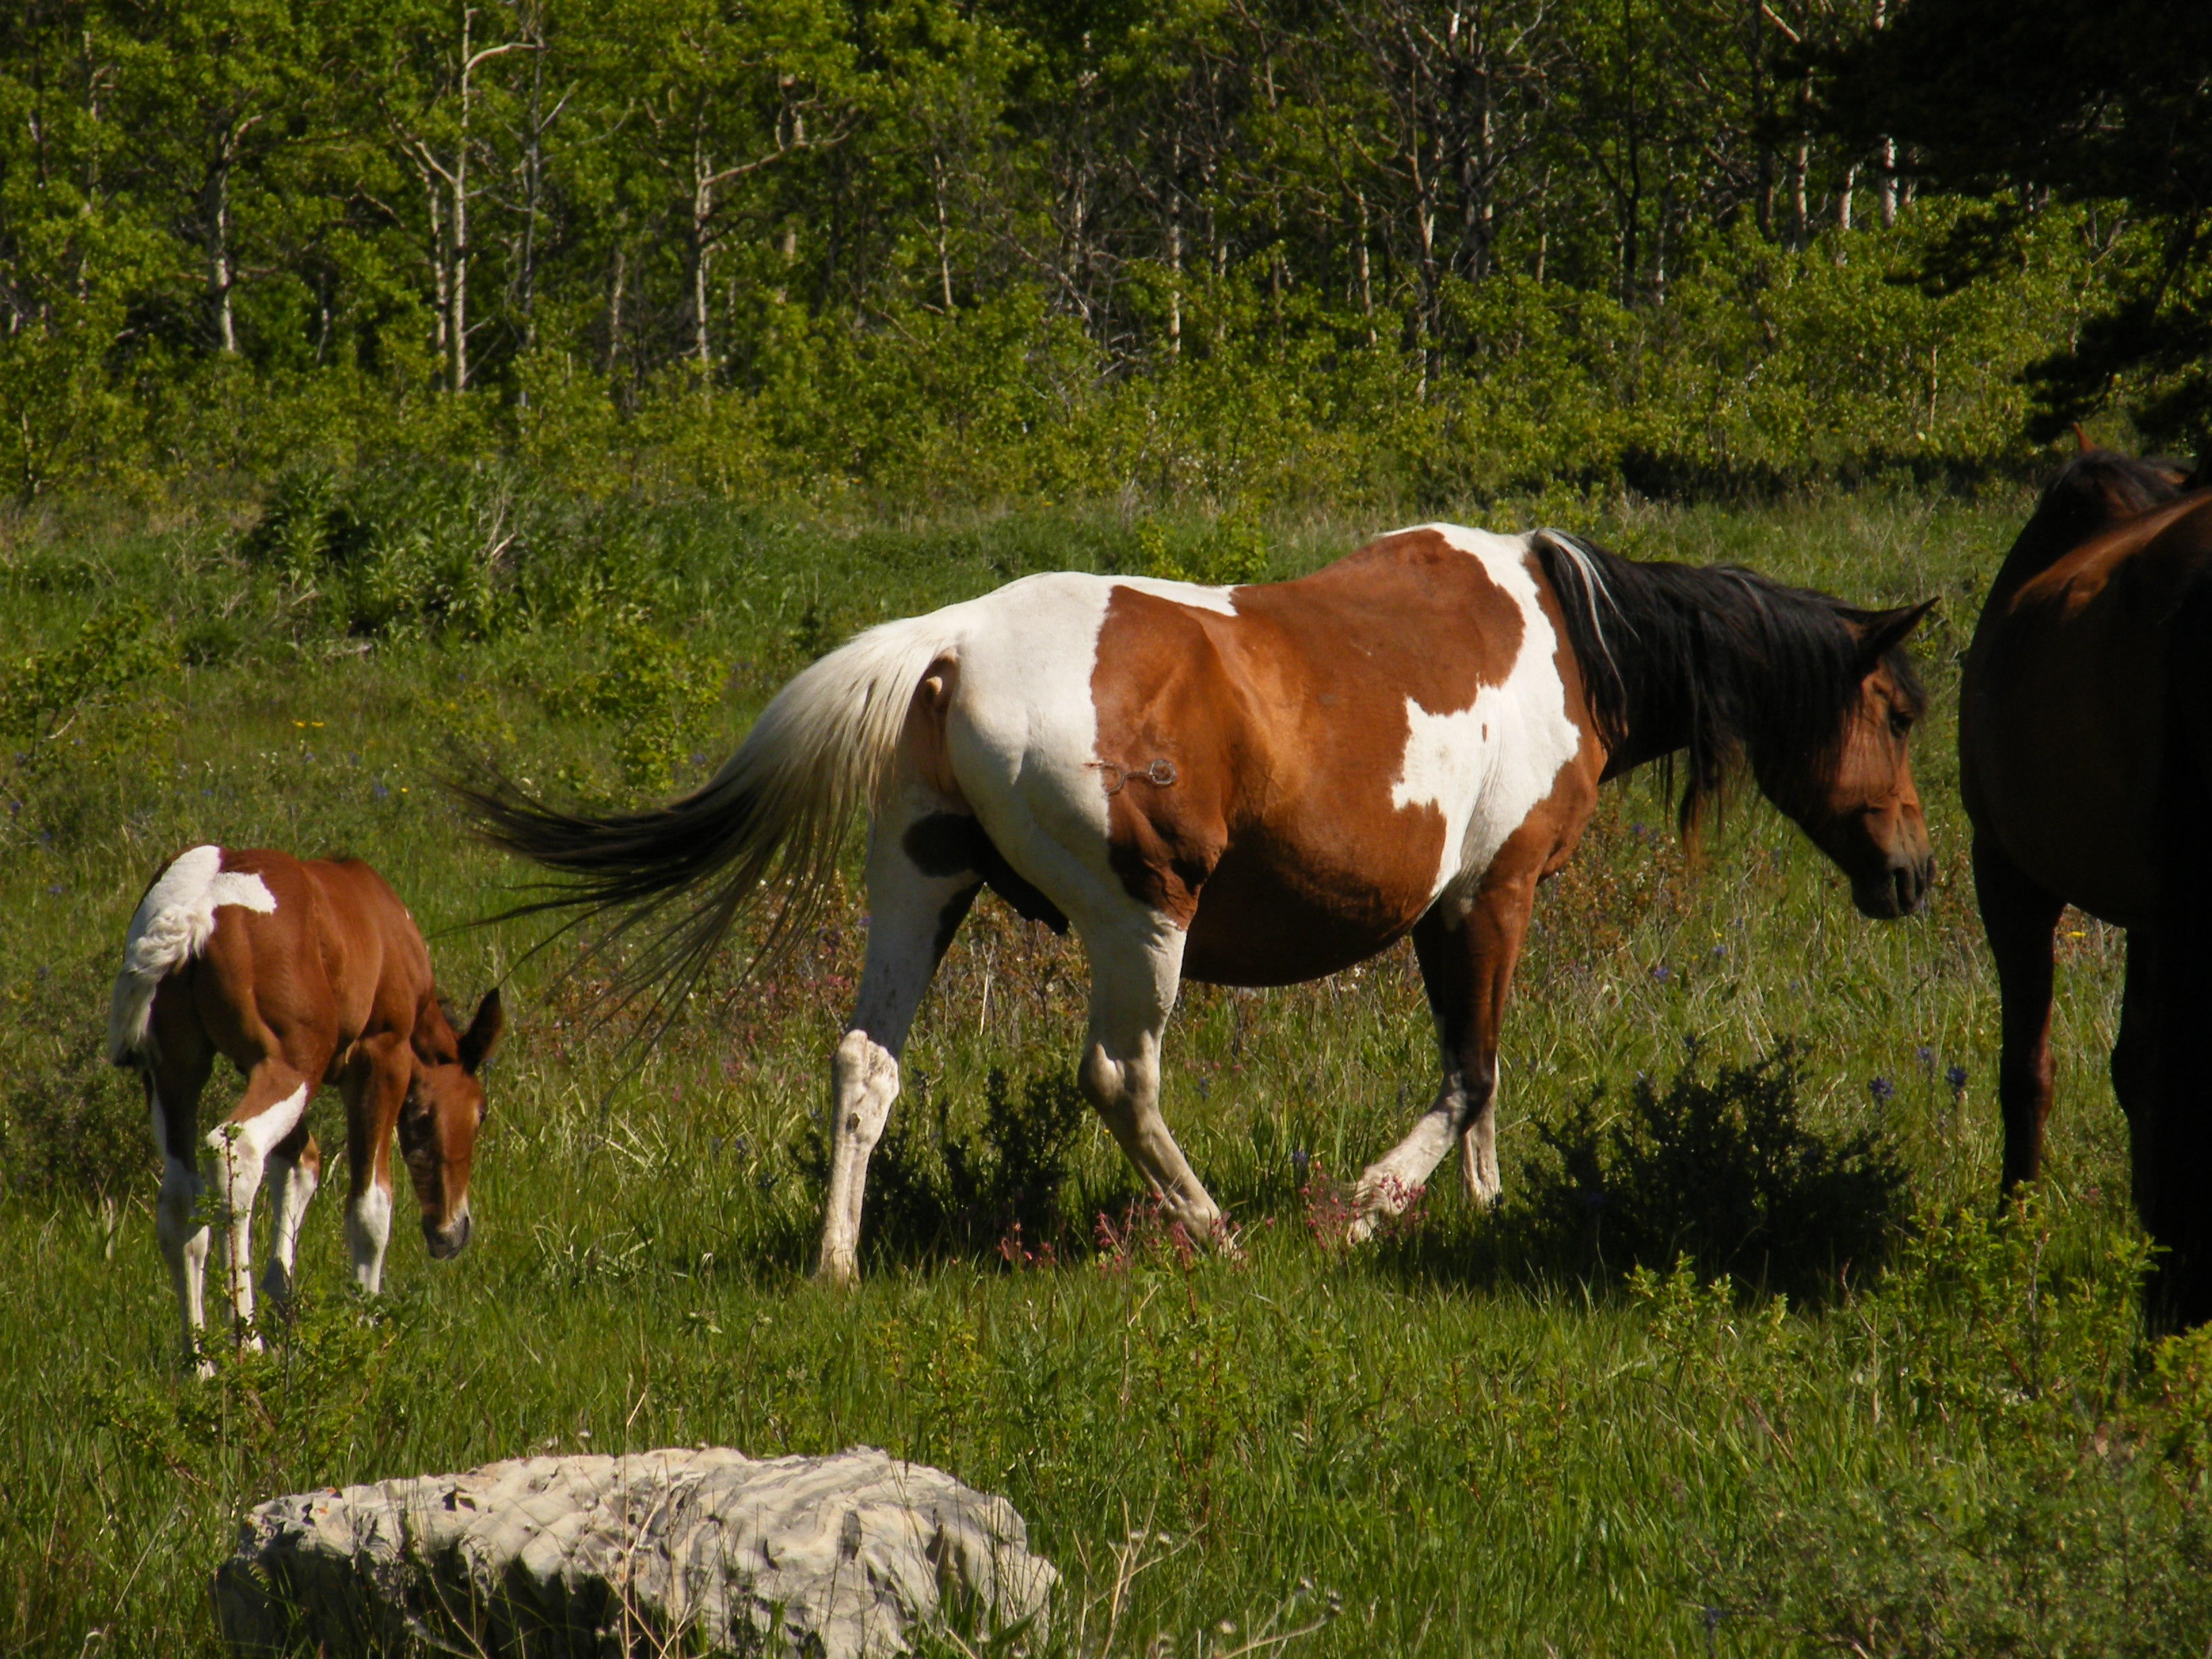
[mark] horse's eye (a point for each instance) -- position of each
(1899, 722)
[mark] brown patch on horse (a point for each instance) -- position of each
(922, 743)
(1283, 728)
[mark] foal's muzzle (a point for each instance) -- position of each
(447, 1241)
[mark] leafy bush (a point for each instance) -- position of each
(1718, 1170)
(1003, 1187)
(2039, 1489)
(41, 693)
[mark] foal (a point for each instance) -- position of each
(300, 973)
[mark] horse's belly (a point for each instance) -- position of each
(2060, 762)
(1262, 920)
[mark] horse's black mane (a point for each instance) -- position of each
(1718, 661)
(2102, 487)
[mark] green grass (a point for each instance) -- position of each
(1431, 1446)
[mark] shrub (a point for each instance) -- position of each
(1002, 1190)
(1719, 1170)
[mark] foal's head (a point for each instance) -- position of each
(438, 1120)
(1850, 788)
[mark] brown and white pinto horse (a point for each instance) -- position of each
(299, 973)
(2085, 758)
(1254, 786)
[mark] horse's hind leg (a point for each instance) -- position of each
(920, 883)
(1136, 967)
(175, 1077)
(2019, 919)
(296, 1170)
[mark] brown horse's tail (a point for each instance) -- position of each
(2174, 1170)
(775, 818)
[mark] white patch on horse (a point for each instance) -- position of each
(1487, 766)
(1196, 595)
(172, 926)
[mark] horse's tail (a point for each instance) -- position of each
(173, 924)
(775, 817)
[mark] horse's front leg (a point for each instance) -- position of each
(239, 1147)
(374, 1086)
(2021, 920)
(920, 886)
(1466, 957)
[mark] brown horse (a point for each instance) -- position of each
(1256, 785)
(299, 973)
(2083, 758)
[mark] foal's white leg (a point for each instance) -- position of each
(182, 1235)
(1136, 966)
(241, 1149)
(292, 1185)
(912, 914)
(368, 1229)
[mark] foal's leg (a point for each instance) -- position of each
(174, 1083)
(265, 1118)
(296, 1170)
(1467, 965)
(912, 913)
(374, 1087)
(2019, 919)
(1136, 966)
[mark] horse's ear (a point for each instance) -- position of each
(2081, 444)
(1882, 632)
(483, 1035)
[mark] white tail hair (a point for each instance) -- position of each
(776, 814)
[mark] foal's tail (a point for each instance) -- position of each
(775, 816)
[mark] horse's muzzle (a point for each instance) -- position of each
(1899, 888)
(447, 1241)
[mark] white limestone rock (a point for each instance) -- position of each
(650, 1553)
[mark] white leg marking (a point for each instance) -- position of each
(184, 1240)
(241, 1150)
(1136, 968)
(905, 910)
(368, 1229)
(291, 1190)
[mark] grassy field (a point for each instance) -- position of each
(1442, 1443)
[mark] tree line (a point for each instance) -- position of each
(1002, 211)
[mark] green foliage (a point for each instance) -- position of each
(1003, 1186)
(2067, 1517)
(1719, 1171)
(44, 695)
(1225, 553)
(655, 690)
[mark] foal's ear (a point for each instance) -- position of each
(483, 1035)
(1882, 632)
